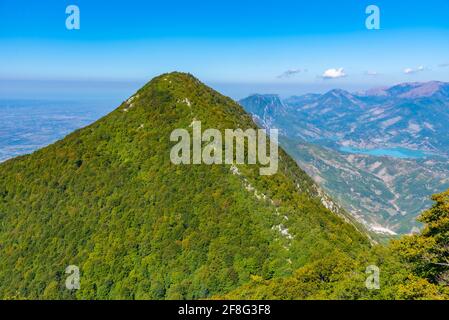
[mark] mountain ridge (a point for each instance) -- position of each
(108, 200)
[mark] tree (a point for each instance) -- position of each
(428, 252)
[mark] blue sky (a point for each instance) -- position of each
(239, 47)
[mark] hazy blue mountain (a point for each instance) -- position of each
(266, 108)
(382, 152)
(435, 89)
(407, 115)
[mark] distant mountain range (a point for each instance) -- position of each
(382, 152)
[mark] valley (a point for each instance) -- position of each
(381, 153)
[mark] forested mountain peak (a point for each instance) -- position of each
(108, 200)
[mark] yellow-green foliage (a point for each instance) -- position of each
(428, 252)
(108, 199)
(414, 267)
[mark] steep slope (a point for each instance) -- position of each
(385, 194)
(267, 107)
(108, 199)
(414, 267)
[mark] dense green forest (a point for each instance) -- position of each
(108, 199)
(414, 267)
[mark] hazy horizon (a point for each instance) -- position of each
(119, 90)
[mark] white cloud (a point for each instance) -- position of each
(334, 73)
(411, 70)
(289, 73)
(443, 65)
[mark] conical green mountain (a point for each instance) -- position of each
(108, 200)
